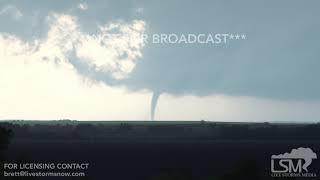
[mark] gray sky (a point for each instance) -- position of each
(56, 62)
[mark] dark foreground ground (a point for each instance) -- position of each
(157, 150)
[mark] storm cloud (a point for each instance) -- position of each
(278, 60)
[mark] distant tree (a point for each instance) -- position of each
(5, 137)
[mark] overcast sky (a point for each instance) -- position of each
(57, 60)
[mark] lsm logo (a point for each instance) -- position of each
(293, 164)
